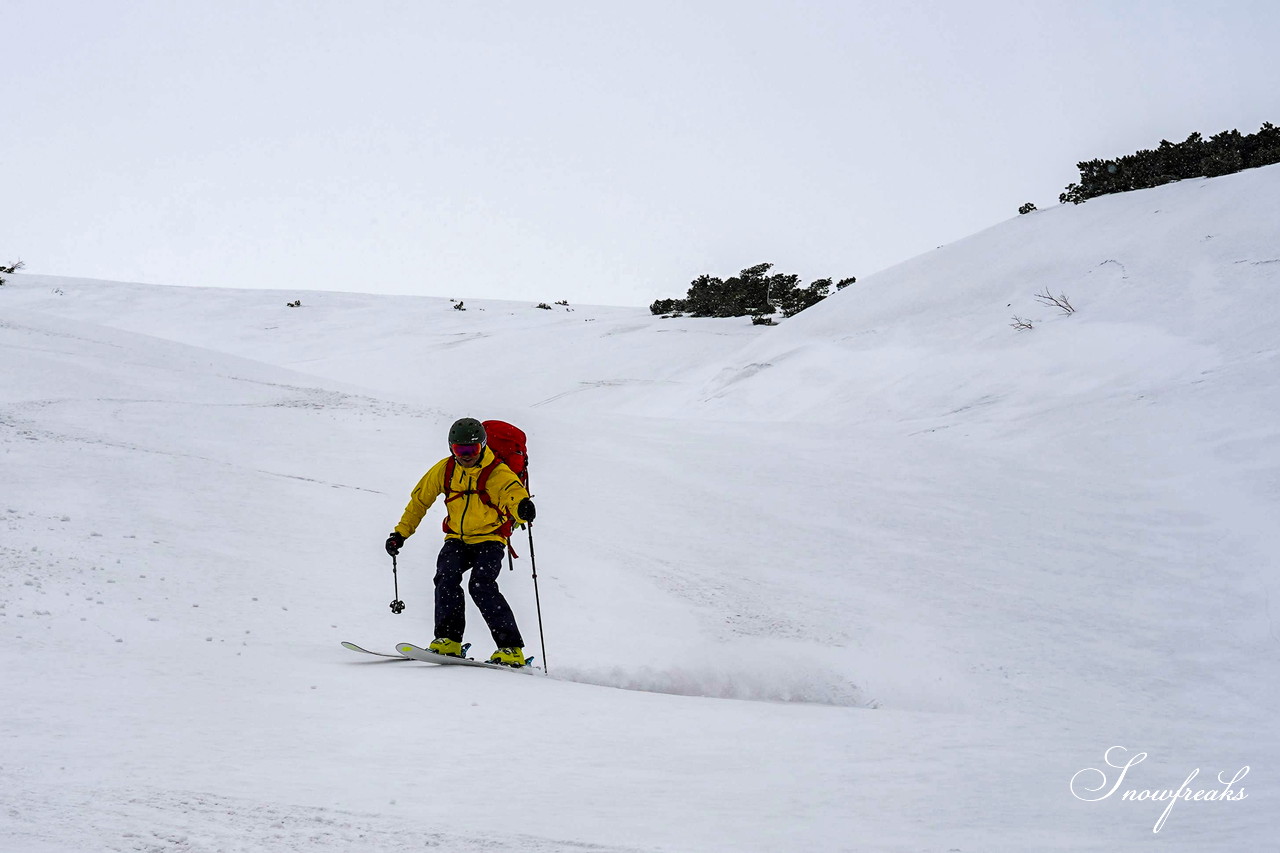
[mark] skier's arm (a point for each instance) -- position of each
(506, 490)
(430, 487)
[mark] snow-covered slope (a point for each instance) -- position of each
(882, 578)
(1166, 283)
(492, 353)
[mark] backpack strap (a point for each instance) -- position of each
(450, 466)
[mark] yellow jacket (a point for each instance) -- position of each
(470, 518)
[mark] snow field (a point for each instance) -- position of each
(882, 578)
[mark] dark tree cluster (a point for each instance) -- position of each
(753, 292)
(1195, 157)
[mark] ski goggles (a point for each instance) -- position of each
(466, 451)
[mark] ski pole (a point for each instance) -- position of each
(397, 606)
(542, 640)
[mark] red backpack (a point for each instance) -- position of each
(508, 445)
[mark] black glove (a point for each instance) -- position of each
(526, 510)
(394, 543)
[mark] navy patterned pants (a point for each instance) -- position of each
(484, 561)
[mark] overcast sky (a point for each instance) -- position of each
(599, 152)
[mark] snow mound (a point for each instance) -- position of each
(1167, 284)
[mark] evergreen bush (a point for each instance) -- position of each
(1195, 157)
(12, 268)
(753, 292)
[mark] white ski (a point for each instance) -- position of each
(409, 650)
(356, 648)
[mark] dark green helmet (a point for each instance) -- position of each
(467, 431)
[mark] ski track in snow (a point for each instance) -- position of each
(802, 682)
(143, 821)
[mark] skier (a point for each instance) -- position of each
(482, 498)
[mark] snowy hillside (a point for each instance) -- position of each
(885, 577)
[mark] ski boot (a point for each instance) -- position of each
(445, 646)
(512, 656)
